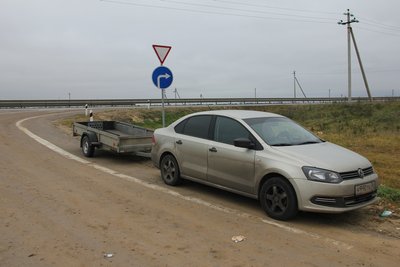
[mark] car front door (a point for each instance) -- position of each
(230, 166)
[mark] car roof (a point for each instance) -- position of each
(239, 114)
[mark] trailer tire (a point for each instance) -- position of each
(87, 148)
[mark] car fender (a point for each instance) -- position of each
(289, 172)
(166, 147)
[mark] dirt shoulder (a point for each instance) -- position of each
(56, 211)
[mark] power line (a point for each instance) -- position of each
(213, 12)
(243, 10)
(274, 7)
(377, 23)
(382, 27)
(376, 31)
(393, 30)
(343, 72)
(252, 12)
(378, 71)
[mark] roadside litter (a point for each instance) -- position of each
(238, 238)
(386, 213)
(108, 255)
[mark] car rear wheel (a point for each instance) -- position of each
(278, 199)
(170, 170)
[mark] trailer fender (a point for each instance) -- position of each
(92, 138)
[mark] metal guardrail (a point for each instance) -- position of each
(180, 101)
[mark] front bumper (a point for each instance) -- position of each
(343, 202)
(334, 198)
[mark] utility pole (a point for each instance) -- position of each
(294, 84)
(361, 65)
(297, 82)
(176, 93)
(348, 22)
(350, 36)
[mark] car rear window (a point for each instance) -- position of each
(180, 127)
(197, 126)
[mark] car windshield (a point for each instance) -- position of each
(278, 131)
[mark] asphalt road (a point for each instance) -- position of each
(58, 208)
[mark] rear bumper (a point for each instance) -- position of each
(154, 159)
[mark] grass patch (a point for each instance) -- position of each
(389, 193)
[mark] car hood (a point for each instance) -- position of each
(326, 156)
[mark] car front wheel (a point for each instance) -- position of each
(278, 199)
(170, 170)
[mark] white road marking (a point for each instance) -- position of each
(47, 143)
(174, 193)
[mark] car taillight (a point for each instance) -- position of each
(153, 140)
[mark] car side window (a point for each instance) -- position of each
(180, 127)
(227, 130)
(197, 126)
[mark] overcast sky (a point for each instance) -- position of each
(220, 48)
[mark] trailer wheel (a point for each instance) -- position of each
(87, 149)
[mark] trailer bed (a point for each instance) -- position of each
(116, 136)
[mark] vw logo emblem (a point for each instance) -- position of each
(360, 173)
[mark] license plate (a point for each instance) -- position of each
(362, 189)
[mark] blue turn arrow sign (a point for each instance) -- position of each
(162, 77)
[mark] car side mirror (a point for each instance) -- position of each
(243, 142)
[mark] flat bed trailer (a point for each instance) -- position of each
(116, 136)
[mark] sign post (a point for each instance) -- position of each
(162, 76)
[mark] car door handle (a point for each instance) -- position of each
(179, 142)
(213, 149)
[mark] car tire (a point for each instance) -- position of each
(170, 170)
(278, 199)
(87, 149)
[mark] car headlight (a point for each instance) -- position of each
(321, 175)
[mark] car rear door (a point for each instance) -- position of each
(230, 166)
(192, 142)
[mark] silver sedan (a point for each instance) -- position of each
(264, 156)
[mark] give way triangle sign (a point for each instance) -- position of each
(162, 52)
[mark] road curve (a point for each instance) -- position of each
(57, 210)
